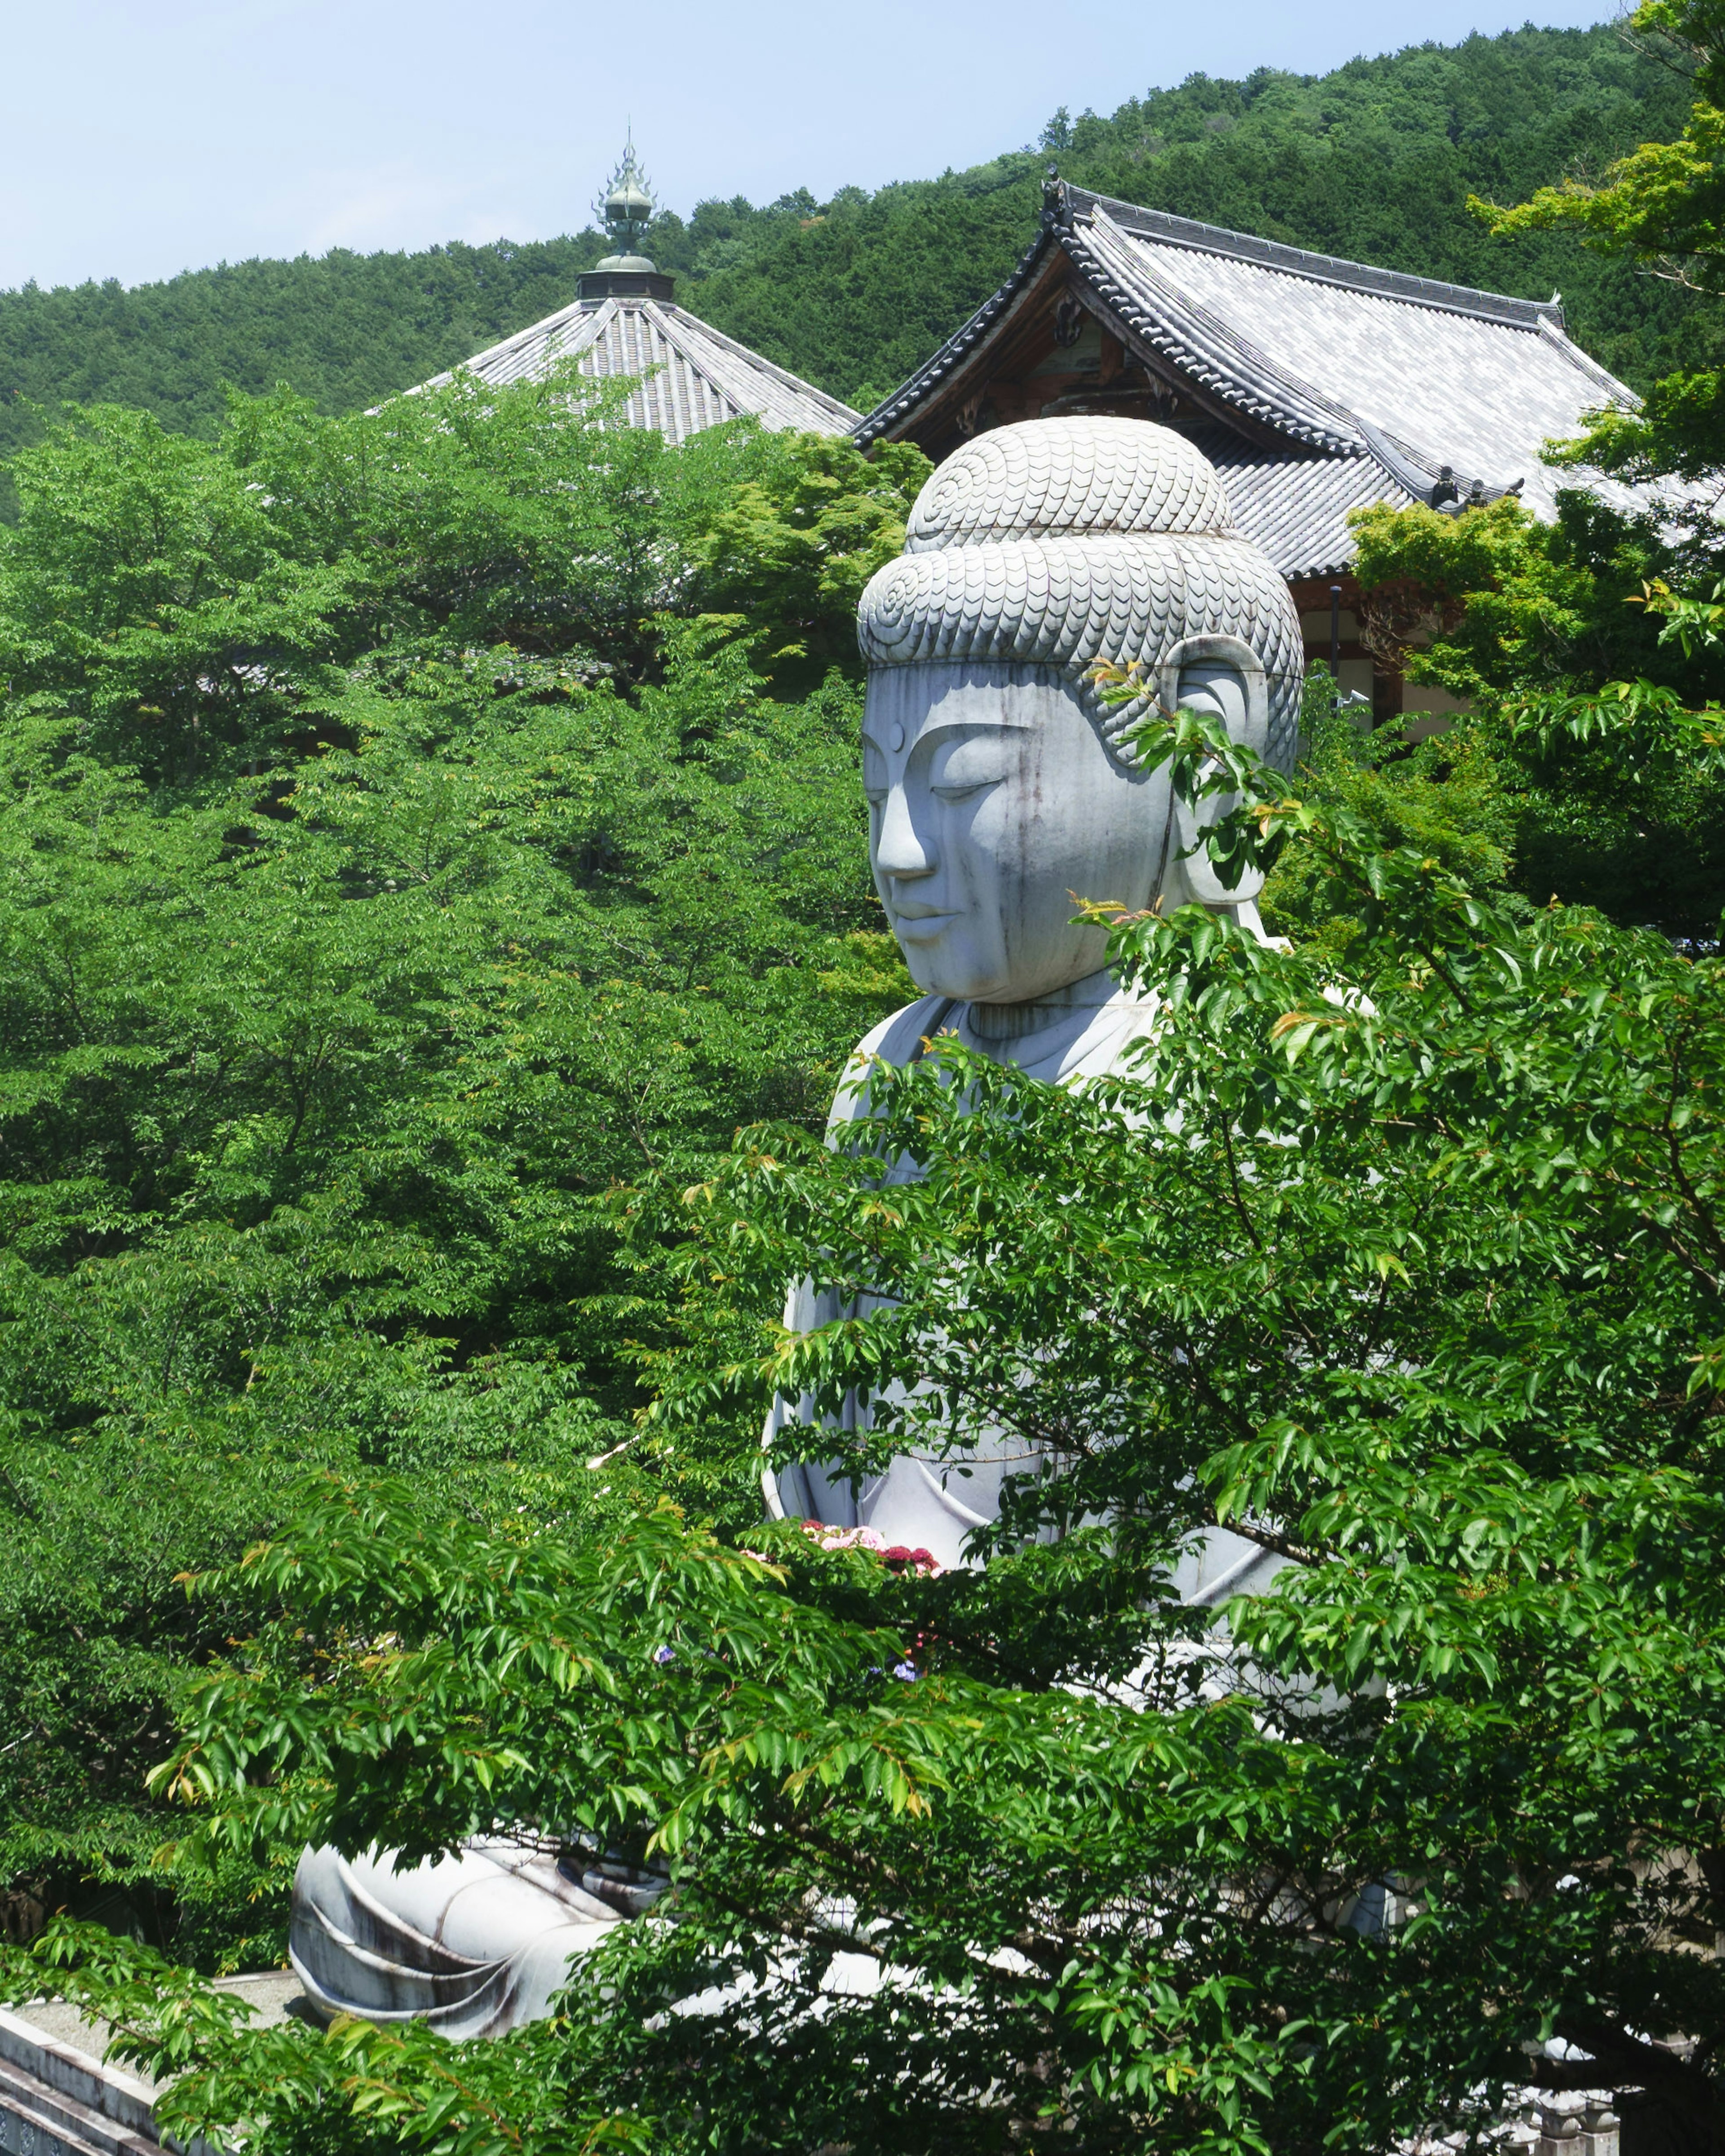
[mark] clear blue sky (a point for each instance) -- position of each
(145, 136)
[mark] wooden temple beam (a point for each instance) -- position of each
(1162, 371)
(1000, 366)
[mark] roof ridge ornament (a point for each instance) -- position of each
(1445, 491)
(1056, 200)
(625, 209)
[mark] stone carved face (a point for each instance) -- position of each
(1001, 785)
(994, 804)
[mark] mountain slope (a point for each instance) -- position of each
(1374, 160)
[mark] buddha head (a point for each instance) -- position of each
(1001, 788)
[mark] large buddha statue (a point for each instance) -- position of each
(1000, 788)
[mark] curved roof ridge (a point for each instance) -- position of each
(1619, 392)
(1261, 381)
(1160, 224)
(941, 360)
(1426, 391)
(691, 376)
(1296, 507)
(1208, 348)
(555, 328)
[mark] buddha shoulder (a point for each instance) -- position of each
(898, 1040)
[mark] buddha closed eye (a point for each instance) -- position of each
(952, 762)
(960, 770)
(983, 826)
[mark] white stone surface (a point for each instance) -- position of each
(1000, 791)
(474, 1944)
(1062, 541)
(59, 2095)
(989, 789)
(57, 2098)
(1088, 477)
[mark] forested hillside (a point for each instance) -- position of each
(1374, 160)
(593, 890)
(344, 329)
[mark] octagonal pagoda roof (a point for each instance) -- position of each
(692, 375)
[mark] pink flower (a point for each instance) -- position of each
(833, 1538)
(898, 1555)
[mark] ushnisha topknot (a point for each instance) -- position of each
(1085, 476)
(1057, 542)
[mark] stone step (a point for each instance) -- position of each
(36, 2120)
(49, 2088)
(58, 2097)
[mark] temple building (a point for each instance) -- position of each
(1314, 386)
(625, 320)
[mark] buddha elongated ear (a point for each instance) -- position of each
(1224, 676)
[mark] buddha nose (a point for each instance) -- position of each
(899, 851)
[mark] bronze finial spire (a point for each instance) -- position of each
(625, 209)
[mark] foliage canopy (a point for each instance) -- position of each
(394, 852)
(414, 872)
(1407, 1267)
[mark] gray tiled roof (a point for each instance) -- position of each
(695, 376)
(1224, 351)
(1475, 380)
(1296, 507)
(1373, 380)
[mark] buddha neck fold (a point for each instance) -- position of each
(1013, 1021)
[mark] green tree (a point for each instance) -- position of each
(1534, 625)
(1659, 208)
(200, 607)
(795, 545)
(1405, 1266)
(1446, 797)
(149, 589)
(1563, 637)
(382, 878)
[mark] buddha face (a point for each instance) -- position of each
(993, 807)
